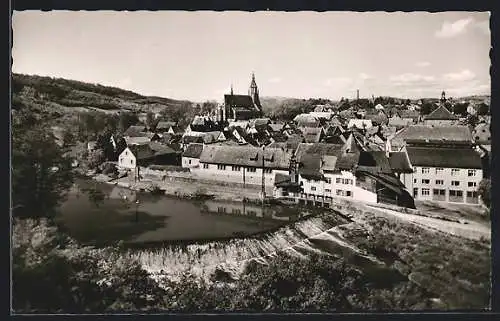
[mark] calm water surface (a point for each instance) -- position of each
(111, 214)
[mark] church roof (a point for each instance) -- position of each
(441, 113)
(239, 101)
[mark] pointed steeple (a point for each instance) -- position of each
(232, 89)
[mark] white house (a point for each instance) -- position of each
(191, 156)
(127, 159)
(448, 174)
(242, 164)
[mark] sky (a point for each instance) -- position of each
(198, 55)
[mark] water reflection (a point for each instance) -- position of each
(100, 213)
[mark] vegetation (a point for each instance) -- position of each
(40, 172)
(484, 191)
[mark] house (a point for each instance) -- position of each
(326, 171)
(313, 134)
(359, 123)
(164, 126)
(426, 133)
(399, 122)
(243, 164)
(147, 154)
(241, 107)
(306, 120)
(447, 174)
(379, 118)
(408, 114)
(191, 156)
(135, 131)
(440, 116)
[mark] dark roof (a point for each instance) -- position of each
(135, 131)
(142, 151)
(191, 139)
(239, 101)
(246, 156)
(312, 134)
(374, 161)
(444, 157)
(193, 150)
(161, 149)
(399, 162)
(441, 113)
(310, 166)
(165, 125)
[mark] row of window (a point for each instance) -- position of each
(454, 171)
(442, 192)
(338, 192)
(238, 168)
(338, 180)
(441, 182)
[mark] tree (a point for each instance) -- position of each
(96, 158)
(427, 108)
(40, 173)
(151, 120)
(68, 138)
(127, 119)
(460, 108)
(484, 191)
(483, 109)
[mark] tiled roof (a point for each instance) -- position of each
(276, 127)
(399, 122)
(444, 157)
(141, 140)
(312, 134)
(399, 162)
(359, 123)
(310, 166)
(193, 150)
(142, 151)
(441, 113)
(135, 131)
(191, 139)
(165, 125)
(427, 132)
(374, 161)
(160, 149)
(246, 156)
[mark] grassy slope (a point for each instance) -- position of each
(56, 97)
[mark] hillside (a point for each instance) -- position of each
(57, 97)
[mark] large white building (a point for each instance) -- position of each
(448, 174)
(242, 164)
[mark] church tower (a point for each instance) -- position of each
(254, 93)
(443, 97)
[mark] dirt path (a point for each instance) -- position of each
(468, 229)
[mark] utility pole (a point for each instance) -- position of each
(263, 178)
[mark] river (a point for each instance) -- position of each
(103, 214)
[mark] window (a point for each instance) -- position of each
(189, 162)
(268, 170)
(328, 180)
(425, 170)
(471, 172)
(472, 184)
(221, 167)
(236, 211)
(339, 192)
(121, 160)
(235, 168)
(338, 180)
(348, 193)
(251, 169)
(455, 171)
(328, 190)
(456, 193)
(313, 188)
(425, 181)
(205, 166)
(438, 192)
(472, 194)
(415, 192)
(439, 170)
(414, 181)
(126, 152)
(425, 191)
(132, 161)
(439, 182)
(455, 183)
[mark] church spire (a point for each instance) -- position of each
(231, 89)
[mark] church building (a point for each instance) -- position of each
(241, 107)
